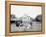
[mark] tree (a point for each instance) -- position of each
(39, 18)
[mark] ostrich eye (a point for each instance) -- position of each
(31, 24)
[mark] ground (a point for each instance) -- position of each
(36, 26)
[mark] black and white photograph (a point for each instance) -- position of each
(25, 18)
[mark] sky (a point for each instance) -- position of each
(20, 11)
